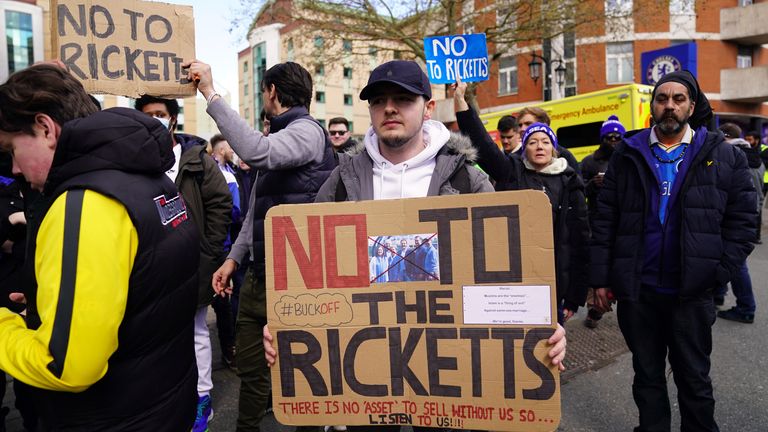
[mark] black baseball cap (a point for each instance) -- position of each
(404, 73)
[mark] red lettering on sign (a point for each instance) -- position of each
(310, 267)
(333, 279)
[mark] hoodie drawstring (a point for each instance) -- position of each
(381, 178)
(402, 180)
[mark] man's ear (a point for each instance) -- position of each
(428, 108)
(48, 128)
(693, 107)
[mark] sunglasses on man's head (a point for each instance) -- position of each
(613, 137)
(339, 133)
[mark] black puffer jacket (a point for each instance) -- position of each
(715, 211)
(565, 191)
(569, 208)
(591, 166)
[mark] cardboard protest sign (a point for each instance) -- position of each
(457, 56)
(428, 312)
(125, 47)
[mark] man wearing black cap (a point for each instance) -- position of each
(406, 156)
(674, 221)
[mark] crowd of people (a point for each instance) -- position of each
(656, 221)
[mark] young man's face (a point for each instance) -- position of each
(397, 115)
(509, 139)
(753, 142)
(339, 134)
(32, 154)
(159, 110)
(526, 121)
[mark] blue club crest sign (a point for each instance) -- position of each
(655, 64)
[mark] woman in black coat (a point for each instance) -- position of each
(539, 168)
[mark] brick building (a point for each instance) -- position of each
(727, 37)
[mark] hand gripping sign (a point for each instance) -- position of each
(125, 47)
(457, 56)
(428, 312)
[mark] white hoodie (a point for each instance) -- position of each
(409, 179)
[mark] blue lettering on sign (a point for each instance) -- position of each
(457, 56)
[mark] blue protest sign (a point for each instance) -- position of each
(463, 56)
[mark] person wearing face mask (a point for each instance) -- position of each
(209, 206)
(540, 168)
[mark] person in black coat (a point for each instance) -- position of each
(540, 168)
(593, 172)
(675, 220)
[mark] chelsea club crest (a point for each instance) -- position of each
(661, 66)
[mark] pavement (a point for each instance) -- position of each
(596, 387)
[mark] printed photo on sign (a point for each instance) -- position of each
(404, 258)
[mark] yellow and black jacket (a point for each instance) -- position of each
(115, 263)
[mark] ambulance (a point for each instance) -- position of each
(577, 119)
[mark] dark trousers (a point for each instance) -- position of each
(660, 326)
(251, 364)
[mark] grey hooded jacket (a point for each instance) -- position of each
(356, 173)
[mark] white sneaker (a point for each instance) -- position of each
(335, 428)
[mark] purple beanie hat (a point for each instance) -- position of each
(612, 125)
(540, 127)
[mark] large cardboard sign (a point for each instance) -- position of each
(125, 47)
(428, 312)
(457, 56)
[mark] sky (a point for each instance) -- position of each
(213, 42)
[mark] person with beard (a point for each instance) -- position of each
(675, 220)
(341, 136)
(406, 156)
(593, 172)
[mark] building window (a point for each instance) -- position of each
(348, 72)
(398, 55)
(505, 17)
(347, 45)
(351, 128)
(682, 7)
(320, 69)
(745, 3)
(245, 89)
(245, 66)
(619, 62)
(289, 48)
(320, 97)
(348, 99)
(247, 114)
(569, 57)
(322, 122)
(744, 57)
(319, 42)
(618, 7)
(19, 36)
(507, 75)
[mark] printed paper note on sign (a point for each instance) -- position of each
(457, 56)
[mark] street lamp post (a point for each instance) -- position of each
(534, 68)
